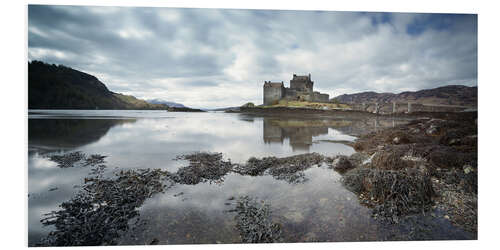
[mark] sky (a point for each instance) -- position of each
(210, 58)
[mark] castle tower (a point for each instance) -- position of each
(273, 92)
(302, 83)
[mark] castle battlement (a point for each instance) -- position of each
(269, 84)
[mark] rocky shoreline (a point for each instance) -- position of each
(428, 164)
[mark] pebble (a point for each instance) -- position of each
(468, 169)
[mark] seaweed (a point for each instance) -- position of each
(77, 158)
(94, 159)
(68, 160)
(254, 223)
(202, 167)
(101, 211)
(289, 169)
(393, 193)
(255, 166)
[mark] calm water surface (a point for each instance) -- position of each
(318, 209)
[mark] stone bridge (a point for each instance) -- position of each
(406, 107)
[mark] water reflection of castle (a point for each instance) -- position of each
(299, 133)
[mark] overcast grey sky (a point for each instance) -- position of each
(220, 58)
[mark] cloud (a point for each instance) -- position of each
(218, 57)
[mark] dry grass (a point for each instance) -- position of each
(312, 105)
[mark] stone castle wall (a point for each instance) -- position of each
(319, 97)
(291, 94)
(273, 94)
(303, 85)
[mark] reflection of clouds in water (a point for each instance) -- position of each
(163, 139)
(41, 179)
(39, 162)
(154, 143)
(330, 149)
(279, 193)
(337, 135)
(213, 196)
(41, 201)
(297, 206)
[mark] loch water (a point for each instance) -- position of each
(318, 208)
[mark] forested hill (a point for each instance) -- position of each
(60, 87)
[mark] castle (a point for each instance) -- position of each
(301, 89)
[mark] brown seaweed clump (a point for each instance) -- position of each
(202, 167)
(289, 169)
(423, 162)
(255, 166)
(67, 160)
(254, 223)
(77, 159)
(94, 159)
(393, 193)
(101, 211)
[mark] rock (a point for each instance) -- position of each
(311, 236)
(395, 219)
(435, 120)
(423, 169)
(342, 163)
(396, 140)
(248, 105)
(415, 130)
(431, 130)
(358, 158)
(468, 169)
(369, 160)
(454, 142)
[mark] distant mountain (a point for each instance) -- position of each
(448, 95)
(60, 87)
(170, 104)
